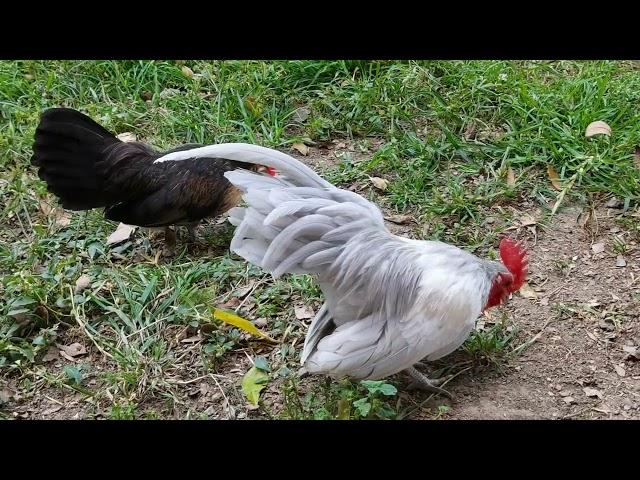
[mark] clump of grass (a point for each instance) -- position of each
(491, 346)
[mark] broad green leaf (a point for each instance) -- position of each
(19, 302)
(375, 386)
(387, 389)
(73, 373)
(322, 414)
(241, 323)
(261, 363)
(362, 406)
(253, 383)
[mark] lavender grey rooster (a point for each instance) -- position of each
(390, 302)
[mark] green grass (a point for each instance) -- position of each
(450, 131)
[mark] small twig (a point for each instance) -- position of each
(561, 287)
(571, 415)
(26, 212)
(246, 297)
(92, 337)
(223, 396)
(53, 400)
(22, 226)
(145, 327)
(186, 382)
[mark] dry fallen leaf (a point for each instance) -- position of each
(620, 261)
(380, 183)
(73, 350)
(636, 156)
(597, 128)
(51, 410)
(632, 352)
(169, 92)
(51, 355)
(61, 217)
(613, 202)
(597, 247)
(122, 233)
(399, 219)
(525, 221)
(511, 177)
(592, 392)
(527, 292)
(5, 396)
(231, 303)
(301, 147)
(301, 114)
(554, 178)
(194, 339)
(82, 282)
(620, 370)
(568, 400)
(303, 312)
(187, 72)
(127, 137)
(244, 291)
(470, 131)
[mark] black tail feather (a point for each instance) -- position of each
(67, 148)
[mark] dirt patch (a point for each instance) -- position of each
(324, 155)
(584, 314)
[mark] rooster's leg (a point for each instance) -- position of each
(169, 241)
(422, 382)
(191, 230)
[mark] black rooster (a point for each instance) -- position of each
(87, 167)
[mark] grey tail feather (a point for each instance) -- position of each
(320, 327)
(291, 168)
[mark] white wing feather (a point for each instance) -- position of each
(389, 301)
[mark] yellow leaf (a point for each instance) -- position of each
(553, 176)
(511, 177)
(302, 148)
(252, 384)
(241, 323)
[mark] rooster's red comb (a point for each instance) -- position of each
(514, 257)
